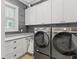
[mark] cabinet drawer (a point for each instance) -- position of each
(8, 56)
(8, 46)
(19, 53)
(17, 48)
(8, 49)
(14, 42)
(8, 43)
(14, 56)
(17, 43)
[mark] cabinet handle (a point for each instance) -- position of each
(15, 55)
(14, 41)
(14, 48)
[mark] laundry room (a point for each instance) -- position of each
(39, 29)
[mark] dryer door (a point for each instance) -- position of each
(41, 39)
(63, 43)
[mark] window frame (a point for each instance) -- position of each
(16, 17)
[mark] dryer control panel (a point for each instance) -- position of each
(64, 29)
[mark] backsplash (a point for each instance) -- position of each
(30, 28)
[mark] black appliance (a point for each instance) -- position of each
(55, 43)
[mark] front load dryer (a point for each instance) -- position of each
(64, 42)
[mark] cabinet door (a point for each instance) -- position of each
(9, 50)
(25, 47)
(43, 12)
(70, 10)
(27, 16)
(46, 12)
(31, 46)
(14, 55)
(8, 47)
(20, 47)
(38, 14)
(33, 15)
(57, 11)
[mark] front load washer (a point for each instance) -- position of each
(64, 42)
(42, 43)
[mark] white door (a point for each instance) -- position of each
(43, 12)
(46, 12)
(27, 16)
(32, 15)
(31, 46)
(57, 11)
(70, 10)
(25, 43)
(38, 14)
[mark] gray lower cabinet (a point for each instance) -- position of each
(25, 46)
(31, 45)
(15, 48)
(30, 49)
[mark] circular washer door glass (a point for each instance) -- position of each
(41, 39)
(63, 43)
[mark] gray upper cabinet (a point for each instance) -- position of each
(43, 13)
(33, 15)
(70, 10)
(27, 16)
(53, 11)
(30, 16)
(64, 11)
(39, 14)
(57, 11)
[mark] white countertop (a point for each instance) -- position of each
(16, 36)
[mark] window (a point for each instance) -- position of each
(11, 17)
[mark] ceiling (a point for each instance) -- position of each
(31, 2)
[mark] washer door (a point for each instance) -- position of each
(63, 43)
(41, 39)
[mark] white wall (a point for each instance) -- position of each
(2, 29)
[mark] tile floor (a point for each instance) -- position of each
(27, 57)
